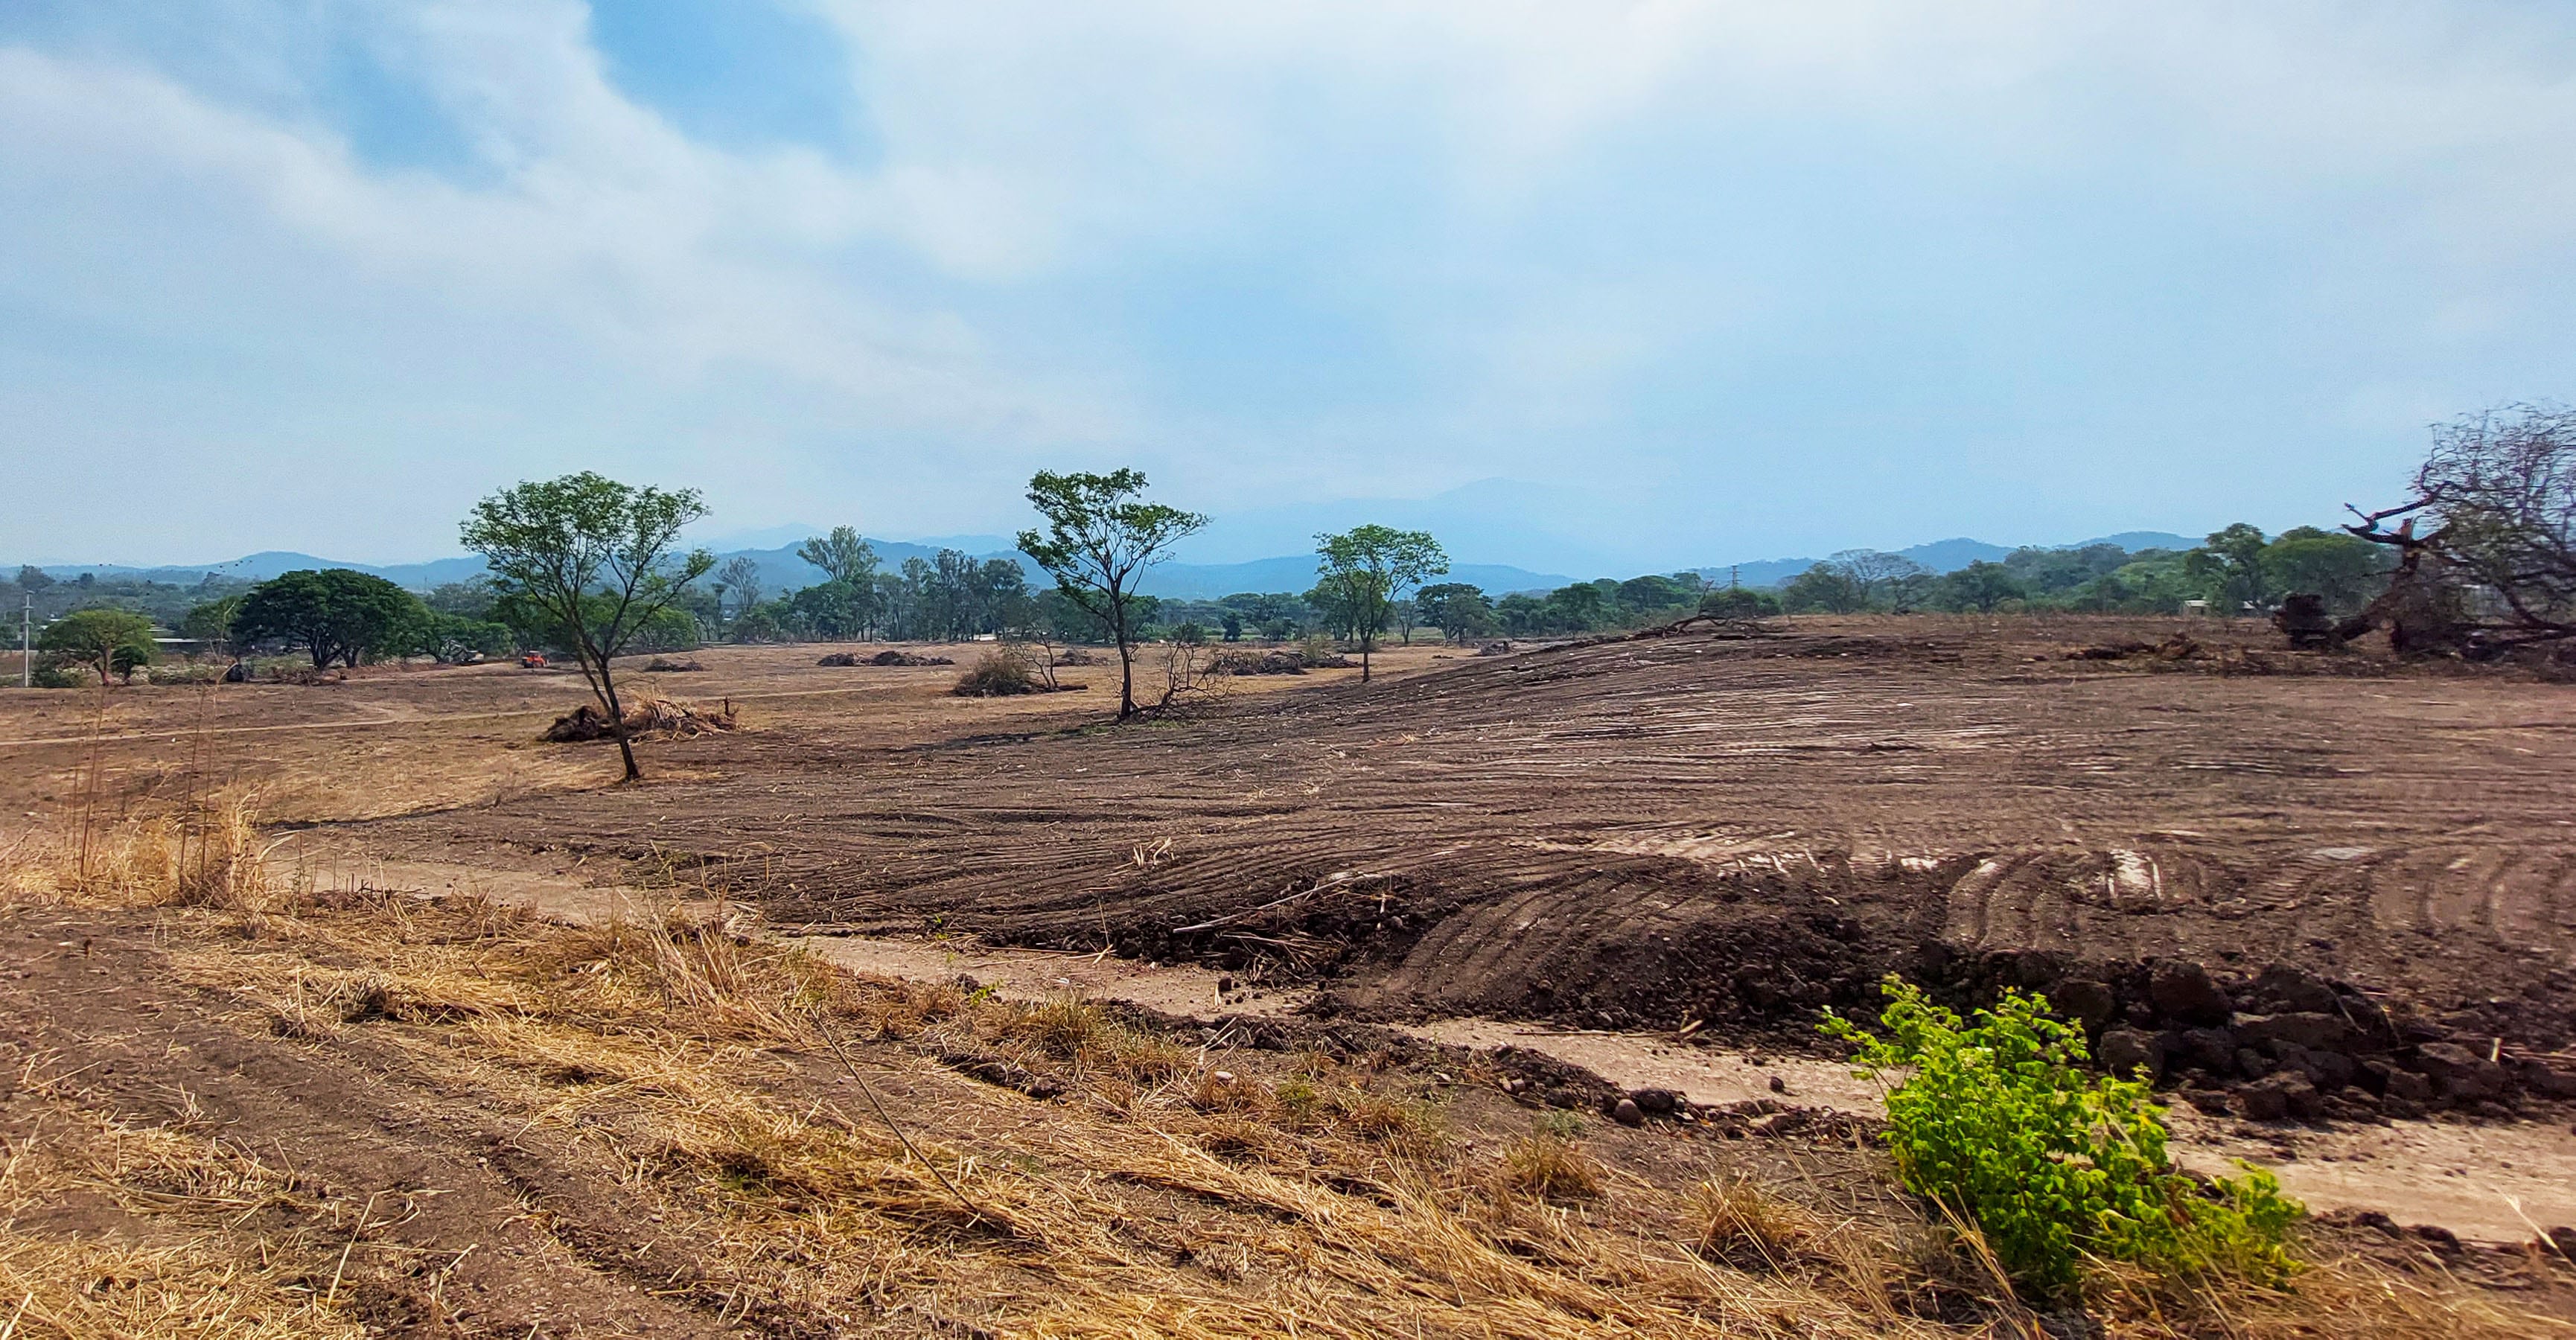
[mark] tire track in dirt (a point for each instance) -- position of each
(1751, 827)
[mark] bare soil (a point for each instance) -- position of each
(1652, 832)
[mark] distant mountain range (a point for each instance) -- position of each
(782, 570)
(1941, 556)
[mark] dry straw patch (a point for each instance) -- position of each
(1153, 1198)
(175, 1264)
(1139, 1205)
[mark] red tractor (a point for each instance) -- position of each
(532, 660)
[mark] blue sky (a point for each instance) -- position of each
(1730, 279)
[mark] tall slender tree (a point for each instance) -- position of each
(1100, 536)
(598, 559)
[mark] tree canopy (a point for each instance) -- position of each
(335, 614)
(2500, 491)
(597, 560)
(1366, 569)
(1100, 534)
(110, 641)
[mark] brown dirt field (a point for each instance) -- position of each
(395, 1115)
(399, 739)
(1640, 833)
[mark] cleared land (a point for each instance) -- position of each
(386, 1113)
(1692, 827)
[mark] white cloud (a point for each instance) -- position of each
(2008, 227)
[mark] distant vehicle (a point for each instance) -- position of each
(532, 660)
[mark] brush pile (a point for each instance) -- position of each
(1286, 662)
(887, 657)
(645, 717)
(664, 666)
(2179, 647)
(1004, 673)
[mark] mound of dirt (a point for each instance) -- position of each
(1503, 648)
(1257, 663)
(661, 666)
(661, 717)
(1076, 656)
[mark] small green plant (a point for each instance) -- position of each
(2000, 1124)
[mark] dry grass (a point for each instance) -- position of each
(1742, 1224)
(210, 855)
(185, 1274)
(1164, 1194)
(1345, 1220)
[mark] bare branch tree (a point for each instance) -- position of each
(2499, 492)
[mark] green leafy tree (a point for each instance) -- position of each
(842, 555)
(110, 641)
(597, 560)
(1827, 588)
(450, 638)
(1998, 1121)
(1980, 586)
(1367, 569)
(2343, 569)
(1738, 602)
(1458, 609)
(335, 614)
(2229, 569)
(1100, 536)
(1577, 608)
(211, 622)
(33, 578)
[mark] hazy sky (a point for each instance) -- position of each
(1748, 278)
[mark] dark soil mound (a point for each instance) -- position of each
(660, 666)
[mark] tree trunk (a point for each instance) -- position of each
(617, 723)
(1364, 658)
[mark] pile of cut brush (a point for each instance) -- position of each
(661, 717)
(2179, 647)
(1258, 663)
(887, 657)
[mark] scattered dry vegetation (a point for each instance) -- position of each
(809, 1150)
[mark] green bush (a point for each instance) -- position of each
(2000, 1124)
(48, 675)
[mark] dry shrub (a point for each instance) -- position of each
(1000, 673)
(210, 857)
(1747, 1227)
(645, 717)
(1552, 1167)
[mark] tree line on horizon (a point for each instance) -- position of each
(2496, 567)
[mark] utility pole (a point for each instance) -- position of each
(26, 640)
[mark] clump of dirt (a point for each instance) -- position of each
(887, 657)
(645, 717)
(664, 666)
(1258, 663)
